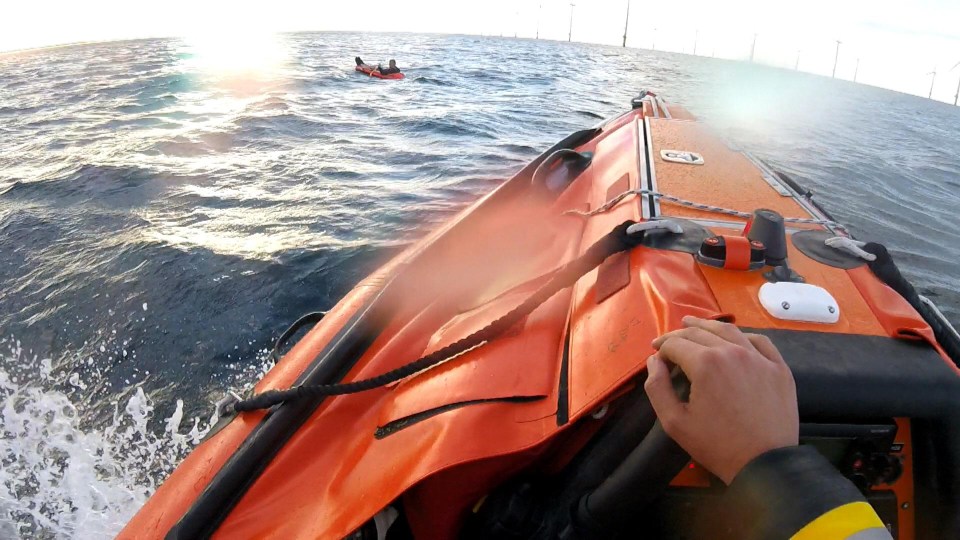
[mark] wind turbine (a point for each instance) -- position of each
(625, 24)
(539, 8)
(957, 95)
(836, 57)
(932, 79)
(570, 32)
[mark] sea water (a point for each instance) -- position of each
(168, 207)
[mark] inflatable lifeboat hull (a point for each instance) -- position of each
(433, 454)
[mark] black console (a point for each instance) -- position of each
(867, 454)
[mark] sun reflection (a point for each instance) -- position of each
(237, 51)
(243, 62)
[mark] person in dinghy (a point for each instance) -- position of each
(391, 69)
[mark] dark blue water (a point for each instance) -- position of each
(167, 208)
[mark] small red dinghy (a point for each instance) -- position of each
(374, 73)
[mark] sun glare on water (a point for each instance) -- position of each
(237, 51)
(245, 63)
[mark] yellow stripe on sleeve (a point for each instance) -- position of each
(840, 523)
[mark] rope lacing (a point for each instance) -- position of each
(663, 197)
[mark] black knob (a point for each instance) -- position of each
(888, 468)
(766, 227)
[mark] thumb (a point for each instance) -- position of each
(662, 396)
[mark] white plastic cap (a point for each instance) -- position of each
(799, 302)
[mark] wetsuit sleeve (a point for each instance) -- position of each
(795, 493)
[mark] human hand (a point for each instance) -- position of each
(743, 399)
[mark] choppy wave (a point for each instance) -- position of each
(167, 208)
(429, 80)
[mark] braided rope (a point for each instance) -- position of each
(613, 242)
(663, 197)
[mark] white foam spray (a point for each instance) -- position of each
(60, 479)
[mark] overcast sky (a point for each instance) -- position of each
(898, 43)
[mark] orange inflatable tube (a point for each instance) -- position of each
(432, 446)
